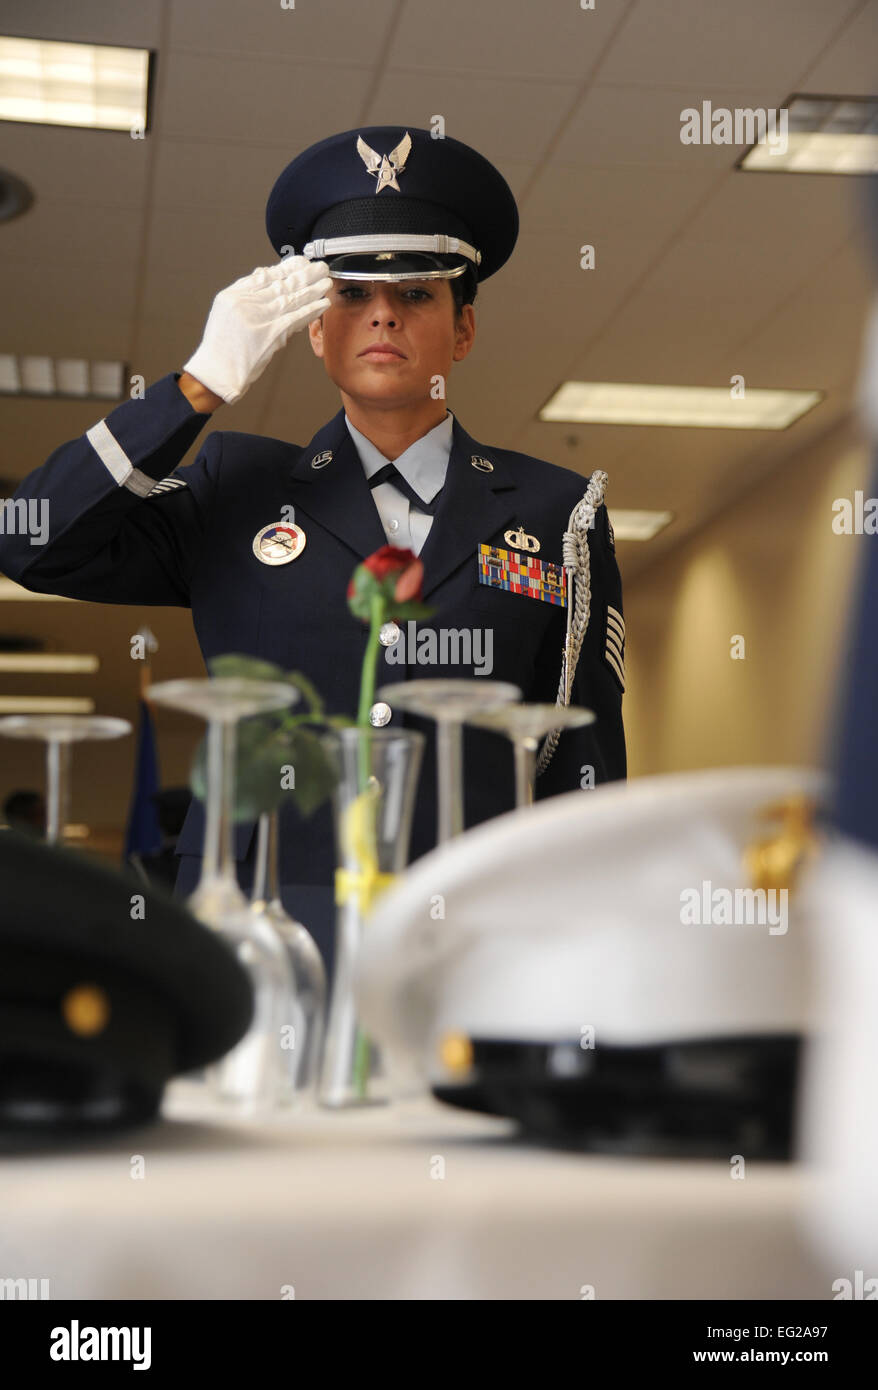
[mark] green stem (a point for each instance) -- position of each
(367, 698)
(370, 660)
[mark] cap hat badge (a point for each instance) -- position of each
(385, 167)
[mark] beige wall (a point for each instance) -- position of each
(771, 569)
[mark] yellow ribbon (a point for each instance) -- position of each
(358, 843)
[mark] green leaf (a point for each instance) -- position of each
(365, 587)
(315, 771)
(308, 691)
(235, 664)
(263, 752)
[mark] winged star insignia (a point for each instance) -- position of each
(385, 167)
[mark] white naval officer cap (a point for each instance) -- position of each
(623, 966)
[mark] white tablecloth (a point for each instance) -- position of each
(350, 1205)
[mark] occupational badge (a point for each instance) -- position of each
(521, 540)
(278, 543)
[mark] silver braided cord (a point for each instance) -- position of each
(576, 562)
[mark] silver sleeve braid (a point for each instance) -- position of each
(576, 561)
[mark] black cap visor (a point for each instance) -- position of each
(396, 265)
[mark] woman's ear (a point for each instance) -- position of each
(315, 333)
(464, 332)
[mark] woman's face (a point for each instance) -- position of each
(415, 317)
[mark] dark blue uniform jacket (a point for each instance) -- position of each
(192, 546)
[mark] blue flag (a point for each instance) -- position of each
(144, 835)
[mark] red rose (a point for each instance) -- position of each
(395, 575)
(390, 560)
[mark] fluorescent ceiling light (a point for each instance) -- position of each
(37, 376)
(706, 407)
(638, 526)
(75, 84)
(826, 135)
(45, 704)
(12, 592)
(63, 377)
(58, 663)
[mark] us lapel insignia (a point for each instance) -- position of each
(321, 460)
(522, 574)
(482, 464)
(278, 543)
(521, 540)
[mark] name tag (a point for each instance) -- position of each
(522, 574)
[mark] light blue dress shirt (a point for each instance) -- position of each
(423, 465)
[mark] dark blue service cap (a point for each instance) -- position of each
(98, 1011)
(391, 201)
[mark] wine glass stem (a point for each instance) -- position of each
(449, 756)
(260, 875)
(218, 857)
(57, 789)
(266, 886)
(525, 767)
(272, 893)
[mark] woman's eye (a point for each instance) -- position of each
(418, 294)
(352, 292)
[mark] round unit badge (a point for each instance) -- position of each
(278, 543)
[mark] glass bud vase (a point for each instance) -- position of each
(373, 802)
(302, 1031)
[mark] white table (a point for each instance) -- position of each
(342, 1205)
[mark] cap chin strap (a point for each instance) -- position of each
(577, 564)
(391, 241)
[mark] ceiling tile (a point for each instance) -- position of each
(331, 32)
(88, 21)
(268, 100)
(530, 41)
(710, 45)
(504, 120)
(621, 125)
(85, 166)
(848, 66)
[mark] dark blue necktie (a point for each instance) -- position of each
(391, 474)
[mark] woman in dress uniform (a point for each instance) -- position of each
(383, 235)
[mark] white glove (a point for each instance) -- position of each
(252, 319)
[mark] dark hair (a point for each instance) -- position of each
(464, 288)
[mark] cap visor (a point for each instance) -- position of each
(398, 266)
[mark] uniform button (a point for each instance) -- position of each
(394, 525)
(380, 714)
(389, 634)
